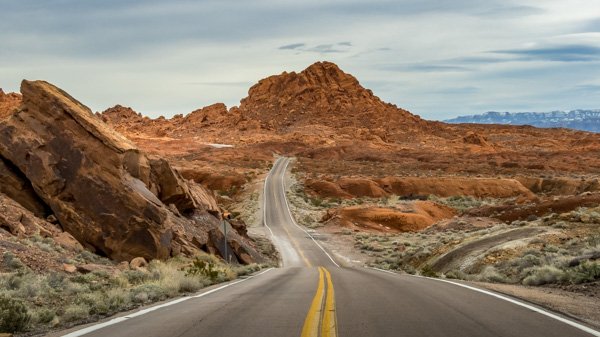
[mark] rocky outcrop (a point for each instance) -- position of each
(418, 187)
(8, 103)
(322, 94)
(110, 196)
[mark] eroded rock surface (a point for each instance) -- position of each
(103, 190)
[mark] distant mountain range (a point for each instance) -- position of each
(586, 120)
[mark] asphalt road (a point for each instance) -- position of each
(310, 295)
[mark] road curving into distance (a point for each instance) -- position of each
(311, 295)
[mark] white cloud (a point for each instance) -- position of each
(434, 58)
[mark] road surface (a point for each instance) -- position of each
(310, 295)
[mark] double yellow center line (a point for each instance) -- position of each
(321, 319)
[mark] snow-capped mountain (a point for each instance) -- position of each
(586, 120)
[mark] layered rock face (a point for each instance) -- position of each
(110, 196)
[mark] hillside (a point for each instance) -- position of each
(585, 120)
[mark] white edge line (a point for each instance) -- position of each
(508, 299)
(294, 220)
(145, 311)
(264, 201)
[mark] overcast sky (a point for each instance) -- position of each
(435, 58)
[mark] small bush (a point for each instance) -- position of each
(543, 275)
(585, 272)
(43, 315)
(147, 292)
(11, 261)
(427, 271)
(135, 277)
(203, 268)
(455, 274)
(75, 312)
(14, 316)
(490, 274)
(190, 284)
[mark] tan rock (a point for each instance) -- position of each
(67, 241)
(69, 268)
(138, 262)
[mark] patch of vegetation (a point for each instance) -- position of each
(38, 302)
(14, 316)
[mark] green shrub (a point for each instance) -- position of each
(585, 272)
(203, 268)
(427, 271)
(14, 316)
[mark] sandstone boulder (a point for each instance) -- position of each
(104, 191)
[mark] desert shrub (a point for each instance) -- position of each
(426, 270)
(56, 280)
(85, 278)
(14, 316)
(147, 292)
(43, 315)
(317, 202)
(585, 272)
(593, 240)
(491, 274)
(527, 261)
(94, 302)
(242, 270)
(550, 249)
(117, 299)
(540, 275)
(135, 277)
(203, 268)
(75, 312)
(190, 284)
(455, 274)
(11, 261)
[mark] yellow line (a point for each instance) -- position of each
(311, 323)
(329, 325)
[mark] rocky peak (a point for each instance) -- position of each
(320, 94)
(119, 113)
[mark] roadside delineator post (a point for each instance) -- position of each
(226, 216)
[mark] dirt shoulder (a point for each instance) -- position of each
(583, 306)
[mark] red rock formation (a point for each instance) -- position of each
(8, 103)
(322, 94)
(103, 190)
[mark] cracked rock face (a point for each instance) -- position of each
(110, 196)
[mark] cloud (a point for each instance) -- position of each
(325, 48)
(292, 46)
(511, 12)
(425, 55)
(421, 67)
(569, 53)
